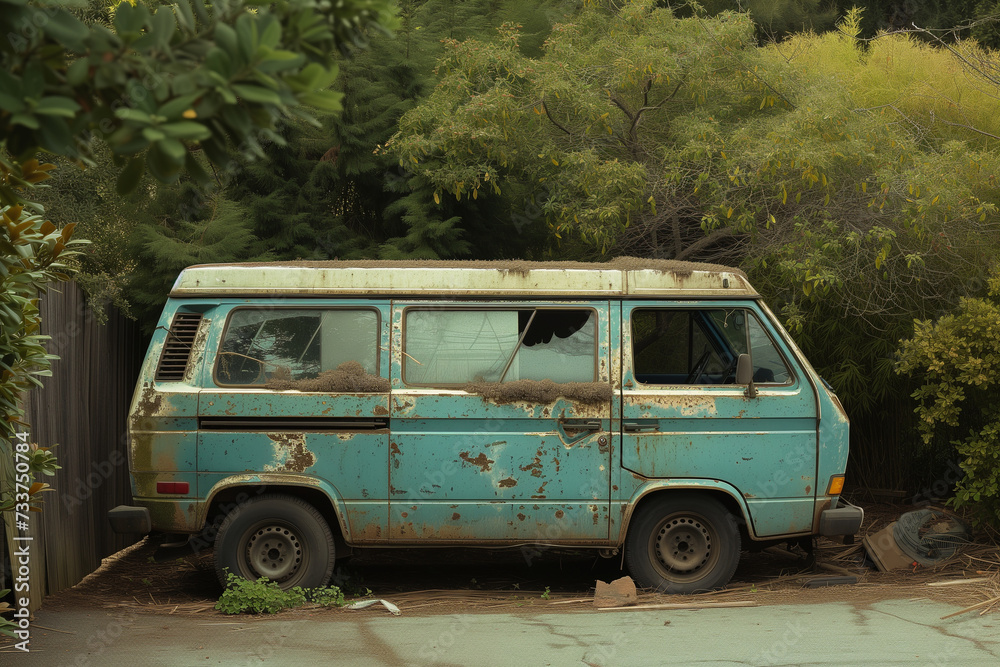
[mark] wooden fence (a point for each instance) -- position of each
(82, 408)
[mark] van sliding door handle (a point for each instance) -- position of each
(580, 425)
(633, 427)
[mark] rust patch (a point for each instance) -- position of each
(348, 377)
(541, 491)
(535, 467)
(809, 489)
(404, 514)
(556, 461)
(521, 516)
(507, 483)
(456, 516)
(293, 446)
(379, 410)
(560, 514)
(482, 462)
(149, 402)
(596, 517)
(541, 391)
(394, 448)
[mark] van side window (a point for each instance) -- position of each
(455, 347)
(696, 347)
(294, 343)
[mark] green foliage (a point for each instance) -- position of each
(944, 17)
(957, 357)
(33, 253)
(777, 19)
(243, 596)
(164, 84)
(266, 597)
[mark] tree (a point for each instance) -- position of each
(169, 91)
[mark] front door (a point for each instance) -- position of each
(684, 418)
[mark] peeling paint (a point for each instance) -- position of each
(481, 461)
(507, 483)
(535, 467)
(290, 453)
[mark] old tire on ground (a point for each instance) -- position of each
(683, 543)
(279, 537)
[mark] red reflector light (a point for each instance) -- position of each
(172, 487)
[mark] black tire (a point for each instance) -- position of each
(278, 537)
(682, 543)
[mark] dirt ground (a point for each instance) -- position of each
(147, 577)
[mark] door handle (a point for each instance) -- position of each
(580, 425)
(635, 427)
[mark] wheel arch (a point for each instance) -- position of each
(230, 492)
(720, 491)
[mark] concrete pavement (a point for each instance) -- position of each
(895, 632)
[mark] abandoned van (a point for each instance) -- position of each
(296, 411)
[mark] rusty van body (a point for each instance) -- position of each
(295, 411)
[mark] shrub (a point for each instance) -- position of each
(959, 358)
(243, 596)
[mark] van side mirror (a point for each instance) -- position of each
(744, 374)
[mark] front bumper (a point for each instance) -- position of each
(128, 519)
(841, 521)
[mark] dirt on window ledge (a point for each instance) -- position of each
(542, 391)
(347, 378)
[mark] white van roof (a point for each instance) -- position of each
(623, 276)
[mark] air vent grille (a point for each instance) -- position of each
(177, 347)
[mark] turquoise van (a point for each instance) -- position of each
(295, 411)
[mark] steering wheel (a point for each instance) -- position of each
(699, 369)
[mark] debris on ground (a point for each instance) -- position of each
(364, 604)
(619, 593)
(922, 537)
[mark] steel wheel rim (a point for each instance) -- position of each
(274, 551)
(684, 547)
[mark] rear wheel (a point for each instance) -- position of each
(683, 543)
(281, 538)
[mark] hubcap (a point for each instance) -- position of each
(683, 546)
(274, 552)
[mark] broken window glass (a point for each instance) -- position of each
(453, 347)
(295, 344)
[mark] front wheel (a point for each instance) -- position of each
(683, 543)
(281, 538)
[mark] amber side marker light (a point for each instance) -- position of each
(836, 485)
(172, 487)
